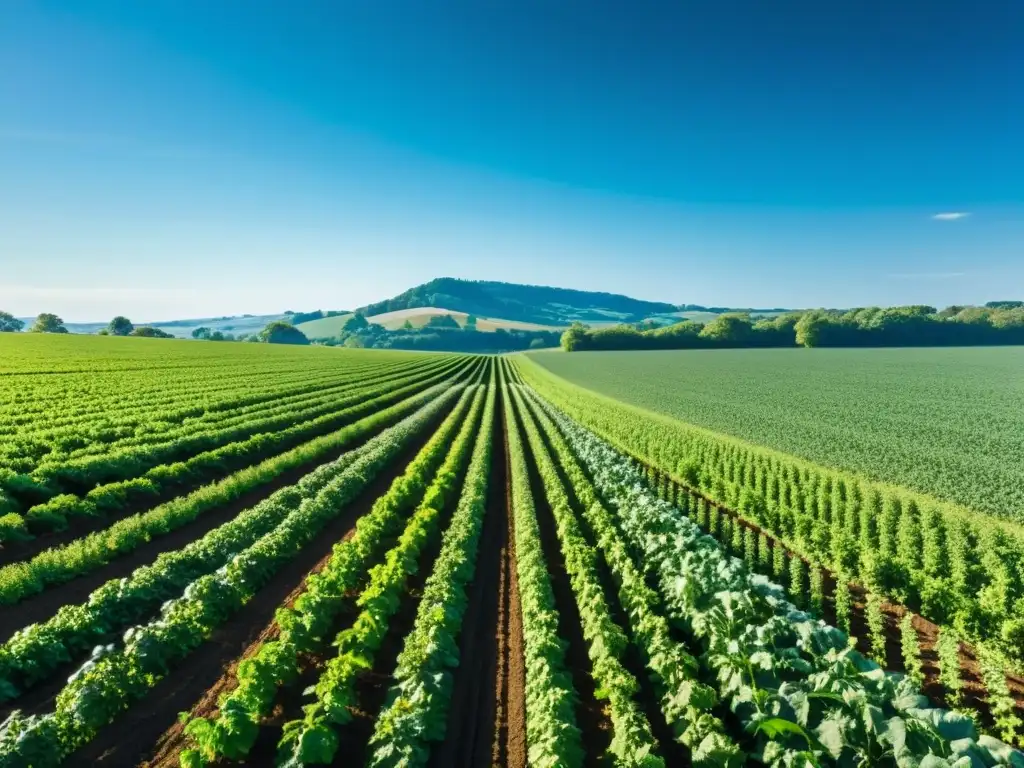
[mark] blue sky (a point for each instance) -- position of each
(169, 159)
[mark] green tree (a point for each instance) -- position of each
(408, 326)
(120, 326)
(202, 333)
(471, 322)
(150, 332)
(9, 323)
(355, 323)
(809, 329)
(729, 330)
(48, 322)
(280, 332)
(575, 337)
(442, 321)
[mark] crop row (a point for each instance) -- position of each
(112, 497)
(116, 676)
(164, 423)
(97, 400)
(416, 711)
(687, 704)
(806, 585)
(66, 422)
(956, 567)
(60, 564)
(35, 652)
(304, 628)
(632, 742)
(552, 734)
(130, 458)
(800, 693)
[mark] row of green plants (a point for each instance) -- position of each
(415, 715)
(56, 436)
(688, 704)
(151, 469)
(801, 693)
(60, 564)
(805, 585)
(632, 743)
(552, 735)
(33, 653)
(956, 567)
(304, 628)
(109, 499)
(104, 410)
(58, 401)
(257, 415)
(62, 430)
(117, 676)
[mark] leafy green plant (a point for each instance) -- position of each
(875, 618)
(948, 650)
(817, 591)
(843, 601)
(911, 650)
(1001, 702)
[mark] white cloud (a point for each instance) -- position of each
(951, 215)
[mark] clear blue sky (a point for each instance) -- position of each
(180, 158)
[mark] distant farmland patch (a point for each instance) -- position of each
(942, 421)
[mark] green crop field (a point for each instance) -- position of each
(949, 422)
(217, 554)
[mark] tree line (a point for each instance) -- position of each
(442, 333)
(278, 332)
(996, 323)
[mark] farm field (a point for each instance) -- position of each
(246, 555)
(948, 422)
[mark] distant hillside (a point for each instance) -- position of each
(523, 303)
(417, 317)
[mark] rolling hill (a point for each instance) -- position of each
(540, 305)
(324, 327)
